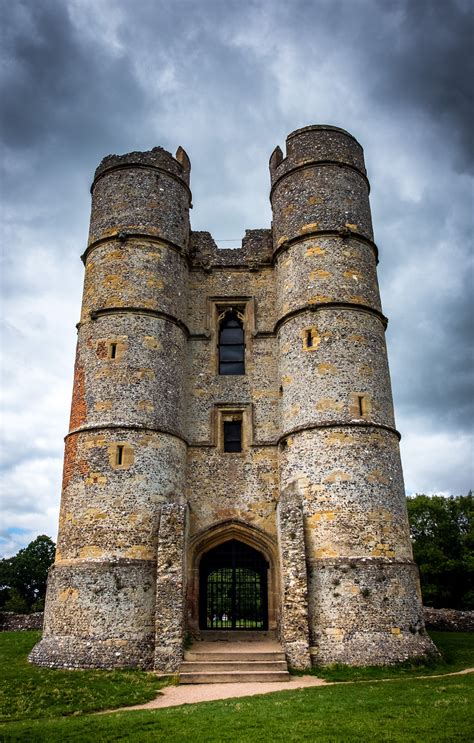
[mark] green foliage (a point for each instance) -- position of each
(12, 601)
(442, 532)
(23, 577)
(28, 692)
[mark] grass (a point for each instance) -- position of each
(46, 704)
(434, 710)
(456, 648)
(28, 692)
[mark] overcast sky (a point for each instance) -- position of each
(228, 81)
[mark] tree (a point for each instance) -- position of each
(23, 577)
(442, 533)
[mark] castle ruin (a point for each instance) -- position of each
(232, 461)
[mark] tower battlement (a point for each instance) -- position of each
(158, 157)
(142, 193)
(318, 143)
(232, 460)
(255, 250)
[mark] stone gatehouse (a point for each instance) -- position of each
(232, 461)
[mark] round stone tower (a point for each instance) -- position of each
(125, 451)
(339, 449)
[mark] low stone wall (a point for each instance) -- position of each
(11, 622)
(448, 620)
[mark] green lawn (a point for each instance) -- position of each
(27, 691)
(402, 709)
(425, 710)
(457, 652)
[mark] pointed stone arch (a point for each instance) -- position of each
(217, 534)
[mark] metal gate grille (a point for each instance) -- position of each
(233, 588)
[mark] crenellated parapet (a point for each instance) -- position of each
(142, 193)
(158, 158)
(319, 143)
(255, 251)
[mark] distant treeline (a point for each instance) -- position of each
(442, 533)
(23, 577)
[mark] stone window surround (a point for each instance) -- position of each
(230, 411)
(233, 315)
(127, 455)
(310, 338)
(216, 305)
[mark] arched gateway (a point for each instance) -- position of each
(232, 579)
(233, 590)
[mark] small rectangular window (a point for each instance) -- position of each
(119, 457)
(311, 339)
(360, 405)
(233, 436)
(112, 351)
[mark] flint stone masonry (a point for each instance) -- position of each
(170, 578)
(317, 488)
(11, 622)
(449, 620)
(294, 631)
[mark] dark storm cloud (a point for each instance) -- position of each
(67, 100)
(427, 63)
(414, 54)
(228, 79)
(426, 277)
(61, 85)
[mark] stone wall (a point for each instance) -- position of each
(448, 620)
(99, 614)
(170, 588)
(294, 630)
(442, 620)
(11, 622)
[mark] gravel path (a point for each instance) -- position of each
(173, 696)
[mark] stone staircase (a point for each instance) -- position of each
(228, 661)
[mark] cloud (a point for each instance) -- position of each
(228, 81)
(428, 65)
(438, 462)
(30, 502)
(61, 87)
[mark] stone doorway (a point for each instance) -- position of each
(233, 588)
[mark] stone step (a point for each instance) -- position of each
(232, 657)
(209, 635)
(227, 662)
(224, 666)
(234, 677)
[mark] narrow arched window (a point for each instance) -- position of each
(231, 343)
